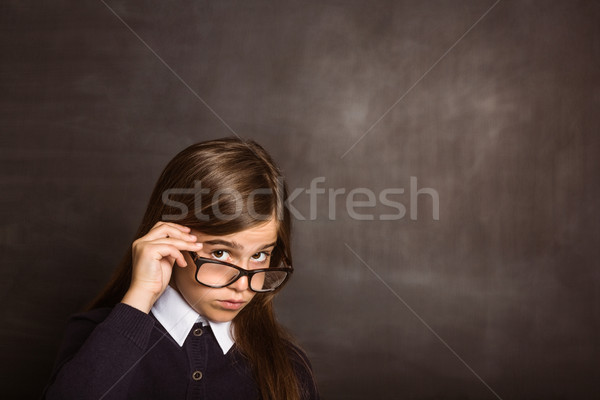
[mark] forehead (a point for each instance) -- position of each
(253, 237)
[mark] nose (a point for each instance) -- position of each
(240, 285)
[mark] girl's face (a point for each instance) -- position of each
(248, 249)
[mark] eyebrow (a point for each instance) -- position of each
(234, 245)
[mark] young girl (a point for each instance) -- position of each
(189, 313)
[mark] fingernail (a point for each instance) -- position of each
(198, 244)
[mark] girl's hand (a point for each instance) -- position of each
(153, 257)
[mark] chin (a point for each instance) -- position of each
(221, 318)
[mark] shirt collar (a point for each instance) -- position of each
(178, 318)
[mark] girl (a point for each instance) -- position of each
(189, 312)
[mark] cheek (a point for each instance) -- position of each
(185, 278)
(198, 295)
(252, 294)
(194, 293)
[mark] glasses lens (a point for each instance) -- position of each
(267, 280)
(216, 274)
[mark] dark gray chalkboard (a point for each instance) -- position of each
(491, 108)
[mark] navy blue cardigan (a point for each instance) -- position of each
(123, 353)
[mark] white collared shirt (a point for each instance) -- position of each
(178, 318)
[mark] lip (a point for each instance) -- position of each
(231, 304)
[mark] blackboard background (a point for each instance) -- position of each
(495, 106)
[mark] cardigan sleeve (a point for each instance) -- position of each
(98, 353)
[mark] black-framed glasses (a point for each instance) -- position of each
(219, 274)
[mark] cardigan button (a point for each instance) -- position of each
(197, 375)
(197, 332)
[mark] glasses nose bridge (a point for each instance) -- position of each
(243, 270)
(238, 283)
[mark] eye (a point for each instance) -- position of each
(260, 257)
(220, 255)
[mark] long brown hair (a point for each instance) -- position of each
(207, 187)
